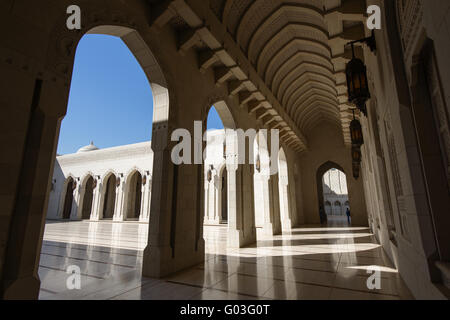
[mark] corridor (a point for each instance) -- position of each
(310, 263)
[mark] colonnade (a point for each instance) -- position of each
(267, 194)
(127, 200)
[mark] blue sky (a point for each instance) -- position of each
(110, 99)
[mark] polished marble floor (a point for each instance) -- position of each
(309, 263)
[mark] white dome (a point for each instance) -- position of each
(88, 148)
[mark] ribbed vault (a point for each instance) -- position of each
(284, 60)
(297, 48)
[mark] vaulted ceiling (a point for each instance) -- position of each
(295, 48)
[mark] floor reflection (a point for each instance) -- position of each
(309, 263)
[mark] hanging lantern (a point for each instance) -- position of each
(356, 154)
(118, 182)
(355, 170)
(356, 160)
(144, 180)
(258, 163)
(357, 85)
(356, 131)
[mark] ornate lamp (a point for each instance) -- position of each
(355, 170)
(356, 131)
(356, 73)
(356, 154)
(356, 160)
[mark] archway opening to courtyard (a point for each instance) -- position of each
(117, 93)
(332, 194)
(219, 122)
(87, 197)
(110, 83)
(68, 198)
(109, 197)
(133, 197)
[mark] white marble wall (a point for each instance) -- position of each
(122, 162)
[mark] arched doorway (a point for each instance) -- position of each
(109, 199)
(219, 122)
(328, 208)
(68, 198)
(338, 208)
(134, 196)
(332, 192)
(88, 198)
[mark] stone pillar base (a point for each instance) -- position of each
(118, 219)
(235, 239)
(161, 261)
(266, 232)
(286, 225)
(212, 222)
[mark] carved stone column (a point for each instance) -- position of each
(119, 214)
(75, 213)
(241, 227)
(286, 223)
(95, 213)
(146, 197)
(31, 112)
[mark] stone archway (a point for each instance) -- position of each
(87, 198)
(68, 198)
(133, 198)
(320, 192)
(109, 197)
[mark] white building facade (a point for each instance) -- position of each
(113, 183)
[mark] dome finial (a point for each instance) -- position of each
(90, 147)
